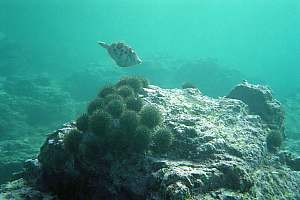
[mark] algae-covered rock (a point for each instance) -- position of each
(19, 190)
(261, 102)
(290, 159)
(218, 151)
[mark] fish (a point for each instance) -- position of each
(122, 54)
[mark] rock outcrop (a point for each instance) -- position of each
(219, 151)
(261, 102)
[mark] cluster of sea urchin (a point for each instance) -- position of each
(118, 119)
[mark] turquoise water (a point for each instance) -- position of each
(257, 37)
(50, 44)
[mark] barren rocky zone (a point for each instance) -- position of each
(292, 108)
(30, 107)
(219, 151)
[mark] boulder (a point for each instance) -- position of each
(261, 102)
(219, 151)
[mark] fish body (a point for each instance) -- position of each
(122, 54)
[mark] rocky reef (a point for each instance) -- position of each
(292, 123)
(218, 149)
(220, 81)
(30, 107)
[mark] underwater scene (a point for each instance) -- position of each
(150, 100)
